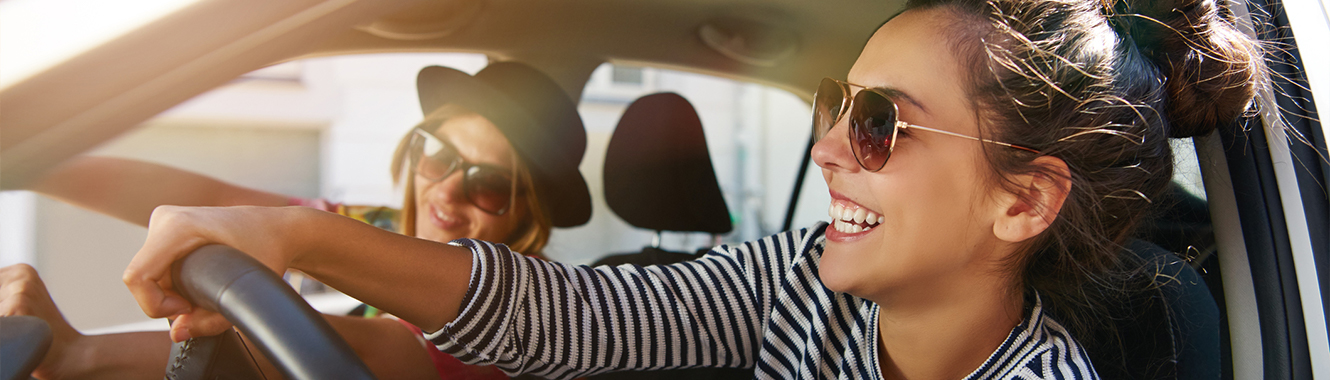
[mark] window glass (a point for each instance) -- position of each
(327, 127)
(757, 136)
(1187, 168)
(626, 75)
(323, 127)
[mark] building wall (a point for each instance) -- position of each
(81, 254)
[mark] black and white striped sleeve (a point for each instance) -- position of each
(526, 315)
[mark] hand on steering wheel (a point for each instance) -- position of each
(283, 327)
(22, 292)
(174, 232)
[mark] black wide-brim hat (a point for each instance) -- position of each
(537, 117)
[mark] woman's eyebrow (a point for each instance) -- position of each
(896, 94)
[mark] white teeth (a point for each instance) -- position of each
(847, 218)
(846, 227)
(442, 216)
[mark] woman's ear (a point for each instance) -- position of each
(1037, 202)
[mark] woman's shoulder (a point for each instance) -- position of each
(796, 240)
(780, 249)
(1039, 347)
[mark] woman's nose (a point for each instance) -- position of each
(449, 188)
(832, 152)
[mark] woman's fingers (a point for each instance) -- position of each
(22, 292)
(16, 282)
(198, 323)
(173, 232)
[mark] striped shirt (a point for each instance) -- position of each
(758, 304)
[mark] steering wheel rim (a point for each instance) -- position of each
(24, 340)
(281, 324)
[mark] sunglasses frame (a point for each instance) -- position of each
(847, 101)
(416, 155)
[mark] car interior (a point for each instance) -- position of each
(1240, 265)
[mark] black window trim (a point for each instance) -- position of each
(1282, 205)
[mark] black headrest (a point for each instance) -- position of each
(658, 173)
(1169, 330)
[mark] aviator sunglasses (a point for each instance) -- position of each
(873, 121)
(490, 188)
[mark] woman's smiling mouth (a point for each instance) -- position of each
(850, 218)
(442, 220)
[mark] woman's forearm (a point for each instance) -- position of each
(389, 349)
(136, 355)
(420, 281)
(130, 189)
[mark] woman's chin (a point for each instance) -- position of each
(435, 234)
(836, 269)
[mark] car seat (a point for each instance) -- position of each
(1170, 330)
(658, 176)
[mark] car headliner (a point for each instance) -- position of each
(109, 89)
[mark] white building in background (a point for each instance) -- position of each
(327, 127)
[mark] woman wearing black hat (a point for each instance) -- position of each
(495, 158)
(522, 128)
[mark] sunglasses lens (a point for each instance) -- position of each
(435, 159)
(827, 103)
(872, 126)
(489, 189)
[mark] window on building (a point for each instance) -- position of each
(626, 75)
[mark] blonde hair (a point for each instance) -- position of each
(528, 238)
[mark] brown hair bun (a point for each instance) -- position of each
(1210, 69)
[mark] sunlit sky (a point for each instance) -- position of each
(38, 33)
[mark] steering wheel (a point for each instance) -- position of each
(263, 307)
(24, 340)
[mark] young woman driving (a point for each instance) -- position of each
(495, 158)
(986, 160)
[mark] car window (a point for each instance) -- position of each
(756, 135)
(326, 127)
(323, 127)
(1187, 169)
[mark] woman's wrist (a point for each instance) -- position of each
(306, 230)
(110, 356)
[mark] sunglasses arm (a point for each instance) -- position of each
(904, 125)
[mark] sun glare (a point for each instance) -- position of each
(37, 34)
